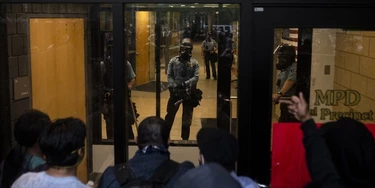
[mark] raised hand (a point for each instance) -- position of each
(298, 107)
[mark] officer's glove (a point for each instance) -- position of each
(181, 85)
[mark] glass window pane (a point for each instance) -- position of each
(176, 22)
(334, 69)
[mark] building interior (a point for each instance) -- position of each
(54, 51)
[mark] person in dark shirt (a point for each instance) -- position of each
(26, 156)
(338, 154)
(152, 141)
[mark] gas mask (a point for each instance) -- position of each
(286, 56)
(186, 49)
(208, 38)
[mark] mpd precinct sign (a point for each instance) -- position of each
(333, 98)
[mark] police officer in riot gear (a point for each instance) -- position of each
(286, 79)
(183, 75)
(106, 70)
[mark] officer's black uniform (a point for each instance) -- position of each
(106, 69)
(183, 75)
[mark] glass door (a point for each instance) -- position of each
(154, 35)
(330, 62)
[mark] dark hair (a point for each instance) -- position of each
(153, 131)
(219, 146)
(26, 131)
(61, 141)
(29, 126)
(352, 149)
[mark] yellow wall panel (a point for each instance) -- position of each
(58, 69)
(142, 47)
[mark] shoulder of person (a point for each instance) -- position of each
(27, 178)
(293, 67)
(186, 165)
(174, 59)
(108, 178)
(193, 60)
(247, 182)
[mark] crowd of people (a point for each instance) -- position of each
(339, 154)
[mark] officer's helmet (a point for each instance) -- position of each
(186, 45)
(286, 51)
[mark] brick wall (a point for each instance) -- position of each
(5, 130)
(18, 44)
(355, 68)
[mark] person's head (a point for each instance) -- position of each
(217, 145)
(27, 131)
(186, 49)
(286, 55)
(352, 149)
(207, 176)
(209, 36)
(29, 126)
(63, 143)
(153, 131)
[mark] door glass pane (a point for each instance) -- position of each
(54, 55)
(334, 69)
(144, 23)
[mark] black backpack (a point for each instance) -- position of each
(161, 176)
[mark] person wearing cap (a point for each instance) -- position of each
(286, 79)
(183, 75)
(209, 54)
(219, 146)
(63, 145)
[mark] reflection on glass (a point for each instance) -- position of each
(176, 22)
(334, 71)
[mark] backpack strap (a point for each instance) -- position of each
(165, 171)
(124, 174)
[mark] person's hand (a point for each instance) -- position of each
(181, 85)
(275, 97)
(298, 107)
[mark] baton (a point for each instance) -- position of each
(133, 112)
(178, 102)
